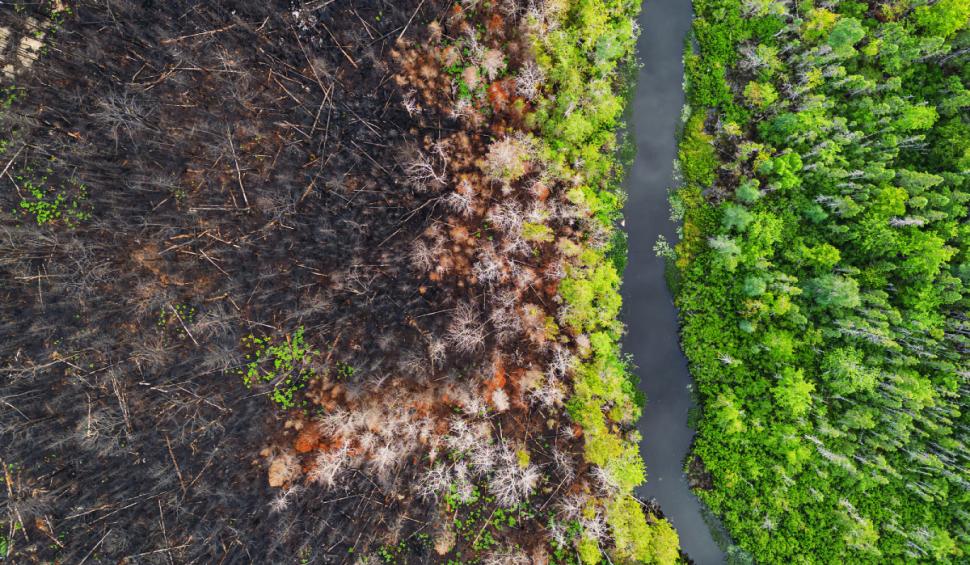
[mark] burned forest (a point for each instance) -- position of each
(316, 282)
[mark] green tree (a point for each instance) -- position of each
(727, 415)
(727, 251)
(848, 279)
(835, 291)
(664, 544)
(760, 95)
(916, 118)
(783, 170)
(748, 192)
(793, 393)
(847, 372)
(636, 540)
(844, 35)
(736, 217)
(944, 18)
(818, 24)
(754, 286)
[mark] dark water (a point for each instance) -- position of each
(649, 312)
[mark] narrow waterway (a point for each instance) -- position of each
(649, 312)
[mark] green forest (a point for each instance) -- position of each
(822, 275)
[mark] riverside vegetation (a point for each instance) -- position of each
(317, 282)
(822, 276)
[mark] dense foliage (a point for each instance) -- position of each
(822, 274)
(581, 58)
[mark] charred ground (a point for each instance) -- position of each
(392, 220)
(236, 170)
(194, 192)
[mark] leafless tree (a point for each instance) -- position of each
(460, 204)
(328, 466)
(529, 80)
(122, 112)
(466, 330)
(550, 394)
(489, 267)
(507, 158)
(506, 216)
(421, 173)
(565, 464)
(385, 459)
(410, 104)
(423, 256)
(605, 480)
(492, 63)
(284, 498)
(511, 482)
(507, 556)
(437, 351)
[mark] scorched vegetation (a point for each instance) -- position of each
(316, 282)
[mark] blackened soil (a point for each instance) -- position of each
(240, 163)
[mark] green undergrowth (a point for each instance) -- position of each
(479, 521)
(46, 203)
(285, 365)
(43, 200)
(398, 553)
(584, 59)
(174, 318)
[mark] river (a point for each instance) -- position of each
(648, 311)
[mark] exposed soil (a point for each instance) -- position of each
(697, 476)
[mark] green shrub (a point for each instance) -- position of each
(46, 204)
(698, 161)
(285, 365)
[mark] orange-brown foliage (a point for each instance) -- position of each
(498, 94)
(308, 439)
